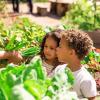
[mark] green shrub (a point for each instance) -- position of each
(35, 0)
(2, 5)
(83, 15)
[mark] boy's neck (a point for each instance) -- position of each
(74, 66)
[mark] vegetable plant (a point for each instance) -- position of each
(29, 81)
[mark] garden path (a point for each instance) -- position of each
(48, 20)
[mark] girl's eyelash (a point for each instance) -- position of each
(52, 48)
(45, 46)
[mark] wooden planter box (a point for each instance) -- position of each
(95, 36)
(60, 7)
(53, 7)
(42, 11)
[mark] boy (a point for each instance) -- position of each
(74, 46)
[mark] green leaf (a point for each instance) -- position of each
(36, 63)
(70, 76)
(10, 45)
(20, 93)
(36, 88)
(29, 74)
(30, 51)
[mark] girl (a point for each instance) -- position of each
(48, 51)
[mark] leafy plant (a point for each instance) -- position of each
(93, 61)
(35, 0)
(40, 0)
(22, 34)
(32, 51)
(83, 15)
(2, 5)
(30, 82)
(4, 32)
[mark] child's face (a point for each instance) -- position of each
(50, 48)
(63, 51)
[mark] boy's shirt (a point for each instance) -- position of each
(60, 68)
(84, 85)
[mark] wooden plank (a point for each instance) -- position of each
(65, 1)
(42, 11)
(95, 36)
(61, 9)
(52, 0)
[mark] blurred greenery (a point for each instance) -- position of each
(2, 5)
(83, 15)
(35, 0)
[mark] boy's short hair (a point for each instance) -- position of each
(79, 41)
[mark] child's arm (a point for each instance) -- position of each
(3, 55)
(12, 57)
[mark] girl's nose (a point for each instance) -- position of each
(47, 49)
(57, 48)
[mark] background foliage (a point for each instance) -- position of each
(83, 15)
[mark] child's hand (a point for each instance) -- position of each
(14, 57)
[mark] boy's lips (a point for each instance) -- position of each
(47, 55)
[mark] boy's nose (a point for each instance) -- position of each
(57, 50)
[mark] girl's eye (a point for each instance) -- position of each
(45, 46)
(53, 48)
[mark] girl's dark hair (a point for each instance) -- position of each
(55, 35)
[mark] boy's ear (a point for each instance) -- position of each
(72, 52)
